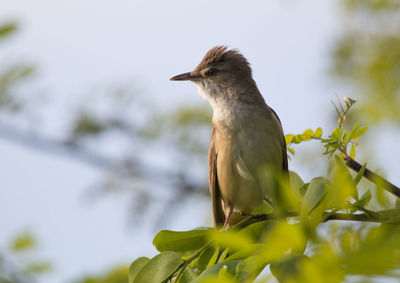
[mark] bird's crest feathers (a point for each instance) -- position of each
(219, 54)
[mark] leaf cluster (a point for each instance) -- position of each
(291, 237)
(339, 139)
(289, 243)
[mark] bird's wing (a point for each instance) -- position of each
(285, 166)
(218, 213)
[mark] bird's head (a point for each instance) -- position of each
(220, 70)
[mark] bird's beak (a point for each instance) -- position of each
(185, 77)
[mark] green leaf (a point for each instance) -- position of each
(135, 267)
(181, 242)
(397, 203)
(214, 258)
(295, 180)
(215, 278)
(342, 187)
(38, 267)
(7, 29)
(353, 151)
(288, 270)
(188, 275)
(376, 253)
(308, 133)
(318, 132)
(359, 133)
(223, 255)
(360, 174)
(245, 252)
(264, 208)
(214, 270)
(256, 231)
(205, 257)
(337, 133)
(280, 239)
(303, 189)
(345, 137)
(225, 274)
(365, 198)
(250, 268)
(305, 137)
(291, 150)
(231, 239)
(314, 195)
(289, 138)
(297, 139)
(354, 130)
(23, 241)
(159, 268)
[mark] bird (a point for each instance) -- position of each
(247, 147)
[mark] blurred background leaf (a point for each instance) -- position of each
(115, 275)
(7, 29)
(367, 57)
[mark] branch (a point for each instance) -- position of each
(55, 147)
(355, 217)
(327, 216)
(118, 167)
(124, 169)
(374, 178)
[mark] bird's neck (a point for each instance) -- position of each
(234, 106)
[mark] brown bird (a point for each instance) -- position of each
(247, 147)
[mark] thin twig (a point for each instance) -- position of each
(189, 260)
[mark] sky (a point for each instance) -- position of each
(78, 45)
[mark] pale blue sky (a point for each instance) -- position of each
(81, 44)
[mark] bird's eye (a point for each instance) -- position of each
(212, 71)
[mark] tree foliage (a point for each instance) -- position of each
(367, 57)
(309, 240)
(20, 263)
(115, 275)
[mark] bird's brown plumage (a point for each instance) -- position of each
(218, 213)
(216, 198)
(247, 144)
(221, 54)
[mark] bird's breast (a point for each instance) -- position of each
(249, 145)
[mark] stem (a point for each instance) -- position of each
(189, 260)
(327, 216)
(262, 217)
(374, 178)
